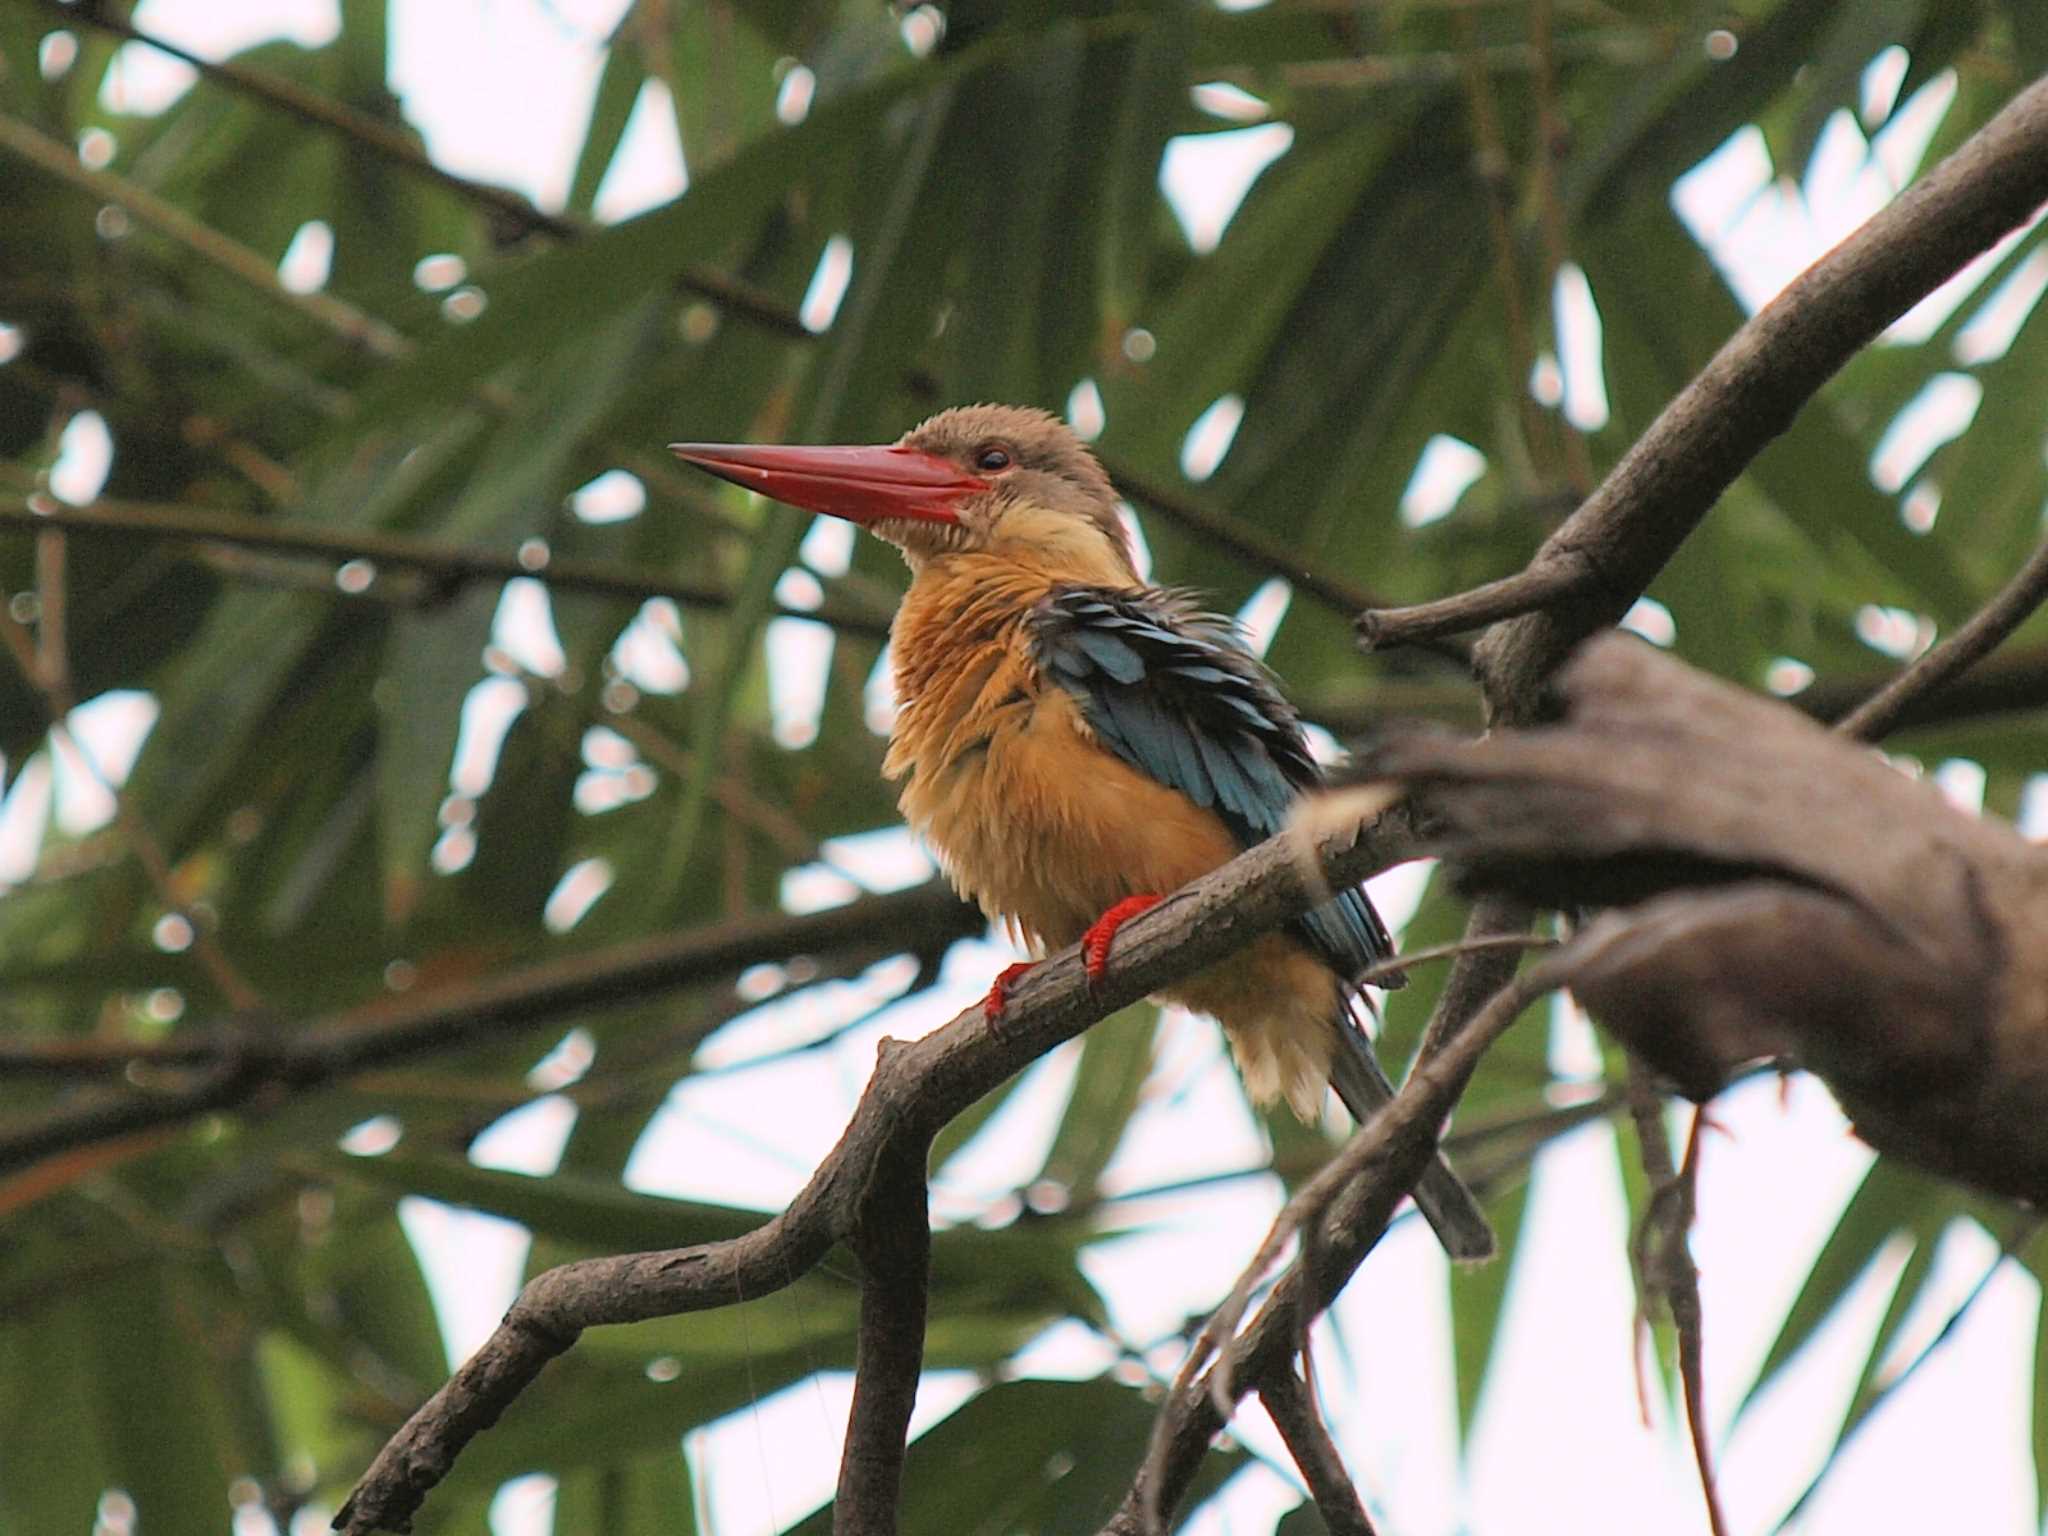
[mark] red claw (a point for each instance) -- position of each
(998, 998)
(1102, 932)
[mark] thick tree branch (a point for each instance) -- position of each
(916, 1088)
(443, 564)
(234, 1063)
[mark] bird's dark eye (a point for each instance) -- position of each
(990, 458)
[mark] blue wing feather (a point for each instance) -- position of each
(1173, 693)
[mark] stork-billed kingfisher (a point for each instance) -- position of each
(1075, 743)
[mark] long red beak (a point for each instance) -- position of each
(862, 485)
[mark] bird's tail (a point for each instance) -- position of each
(1449, 1206)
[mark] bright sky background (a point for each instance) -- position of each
(501, 89)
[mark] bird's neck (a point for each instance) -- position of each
(959, 632)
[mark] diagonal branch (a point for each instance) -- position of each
(1587, 573)
(1290, 1404)
(231, 1065)
(916, 1088)
(1875, 717)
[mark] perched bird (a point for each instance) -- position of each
(1074, 743)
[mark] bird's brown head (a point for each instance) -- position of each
(1001, 480)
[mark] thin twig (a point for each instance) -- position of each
(397, 149)
(1588, 572)
(452, 564)
(2016, 601)
(48, 674)
(1495, 167)
(1372, 1165)
(1553, 144)
(238, 1064)
(202, 239)
(1255, 547)
(1290, 1404)
(1530, 590)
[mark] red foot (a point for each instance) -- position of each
(998, 997)
(1102, 932)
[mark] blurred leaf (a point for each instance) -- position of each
(1892, 1201)
(1003, 1462)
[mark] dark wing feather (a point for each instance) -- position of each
(1174, 693)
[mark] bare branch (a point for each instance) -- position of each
(916, 1088)
(1353, 1199)
(1291, 1405)
(892, 1237)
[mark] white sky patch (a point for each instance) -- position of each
(799, 658)
(1893, 631)
(12, 341)
(1989, 334)
(1578, 345)
(1920, 506)
(85, 456)
(1085, 412)
(828, 546)
(1961, 783)
(1786, 676)
(878, 695)
(1445, 470)
(1652, 620)
(2033, 817)
(578, 890)
(1232, 103)
(110, 730)
(471, 1263)
(24, 813)
(501, 91)
(828, 287)
(648, 652)
(1208, 441)
(487, 714)
(143, 81)
(566, 1064)
(524, 627)
(1141, 550)
(793, 98)
(1762, 230)
(1546, 380)
(528, 1139)
(886, 859)
(1941, 412)
(648, 169)
(1259, 619)
(308, 259)
(1879, 91)
(799, 588)
(612, 497)
(1205, 176)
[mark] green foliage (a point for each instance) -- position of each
(229, 1299)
